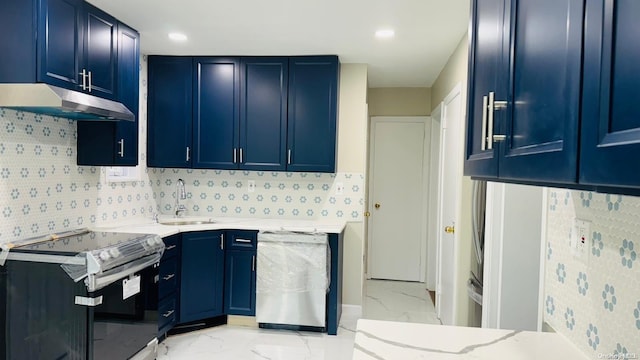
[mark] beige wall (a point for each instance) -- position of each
(399, 101)
(352, 150)
(456, 72)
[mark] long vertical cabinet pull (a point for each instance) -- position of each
(84, 79)
(188, 154)
(235, 157)
(121, 143)
(289, 157)
(493, 106)
(253, 263)
(89, 81)
(221, 241)
(240, 155)
(485, 103)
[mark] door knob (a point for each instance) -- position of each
(449, 229)
(377, 206)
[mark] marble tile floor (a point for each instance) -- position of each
(383, 300)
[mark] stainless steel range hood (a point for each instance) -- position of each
(59, 102)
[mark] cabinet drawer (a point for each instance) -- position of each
(168, 277)
(242, 240)
(171, 246)
(167, 316)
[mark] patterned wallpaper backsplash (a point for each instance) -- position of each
(594, 299)
(276, 194)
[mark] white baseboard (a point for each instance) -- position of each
(352, 310)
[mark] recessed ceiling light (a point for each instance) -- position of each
(177, 36)
(385, 34)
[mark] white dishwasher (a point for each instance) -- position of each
(292, 278)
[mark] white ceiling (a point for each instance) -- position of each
(426, 31)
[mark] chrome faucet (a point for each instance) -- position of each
(181, 194)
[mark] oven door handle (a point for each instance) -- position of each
(96, 282)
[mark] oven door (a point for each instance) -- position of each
(121, 326)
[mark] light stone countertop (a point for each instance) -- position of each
(148, 226)
(394, 340)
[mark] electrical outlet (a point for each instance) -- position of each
(580, 238)
(251, 186)
(339, 188)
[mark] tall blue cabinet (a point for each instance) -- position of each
(610, 136)
(524, 90)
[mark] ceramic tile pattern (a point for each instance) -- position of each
(594, 299)
(42, 190)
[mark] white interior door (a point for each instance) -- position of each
(397, 198)
(449, 202)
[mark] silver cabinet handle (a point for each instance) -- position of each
(241, 156)
(168, 313)
(235, 159)
(485, 103)
(253, 263)
(188, 154)
(289, 157)
(243, 241)
(221, 241)
(170, 247)
(490, 122)
(168, 277)
(84, 79)
(121, 152)
(89, 81)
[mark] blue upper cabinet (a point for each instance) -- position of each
(65, 43)
(485, 56)
(263, 113)
(610, 135)
(115, 143)
(526, 127)
(216, 117)
(61, 33)
(170, 110)
(312, 111)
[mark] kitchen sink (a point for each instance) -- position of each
(185, 222)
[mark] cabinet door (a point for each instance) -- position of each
(485, 76)
(129, 94)
(216, 105)
(263, 113)
(115, 143)
(312, 107)
(543, 103)
(100, 47)
(610, 136)
(240, 282)
(202, 276)
(169, 112)
(59, 52)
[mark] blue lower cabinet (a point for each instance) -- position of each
(240, 282)
(169, 284)
(202, 276)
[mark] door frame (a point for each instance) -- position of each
(457, 203)
(432, 211)
(426, 120)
